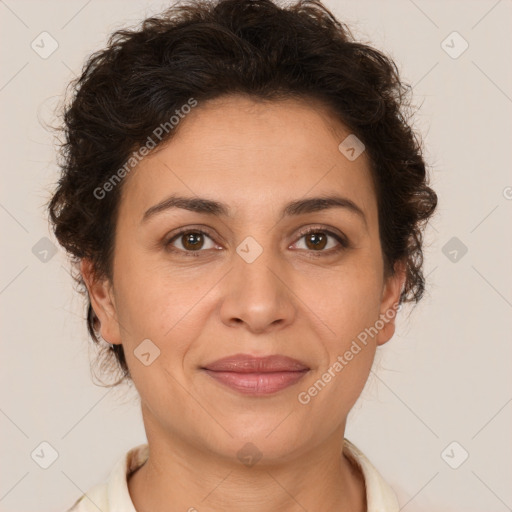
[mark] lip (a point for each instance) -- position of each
(256, 375)
(244, 363)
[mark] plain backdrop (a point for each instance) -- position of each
(435, 417)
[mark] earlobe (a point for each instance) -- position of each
(102, 302)
(391, 292)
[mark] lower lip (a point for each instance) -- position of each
(257, 383)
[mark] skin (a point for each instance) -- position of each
(255, 157)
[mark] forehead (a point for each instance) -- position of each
(252, 153)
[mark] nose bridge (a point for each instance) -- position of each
(256, 293)
(252, 264)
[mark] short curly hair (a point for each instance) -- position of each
(204, 50)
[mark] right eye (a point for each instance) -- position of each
(189, 241)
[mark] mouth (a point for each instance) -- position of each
(256, 375)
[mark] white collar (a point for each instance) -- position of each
(113, 496)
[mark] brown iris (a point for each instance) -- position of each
(192, 241)
(317, 240)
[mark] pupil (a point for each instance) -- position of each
(317, 240)
(193, 240)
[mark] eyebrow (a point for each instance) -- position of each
(293, 208)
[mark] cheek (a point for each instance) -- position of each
(150, 296)
(349, 300)
(350, 306)
(157, 305)
(349, 353)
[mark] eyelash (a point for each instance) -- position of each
(343, 242)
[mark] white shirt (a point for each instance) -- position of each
(113, 496)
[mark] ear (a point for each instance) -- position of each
(391, 291)
(102, 301)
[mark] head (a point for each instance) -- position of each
(239, 177)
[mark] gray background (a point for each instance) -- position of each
(444, 377)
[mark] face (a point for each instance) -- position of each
(240, 274)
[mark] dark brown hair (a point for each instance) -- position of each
(204, 50)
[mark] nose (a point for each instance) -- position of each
(258, 295)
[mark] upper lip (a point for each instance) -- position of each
(243, 363)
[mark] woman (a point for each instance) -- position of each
(244, 201)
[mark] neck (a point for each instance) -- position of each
(181, 477)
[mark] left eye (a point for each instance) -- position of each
(317, 240)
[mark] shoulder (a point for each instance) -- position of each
(113, 494)
(94, 499)
(380, 497)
